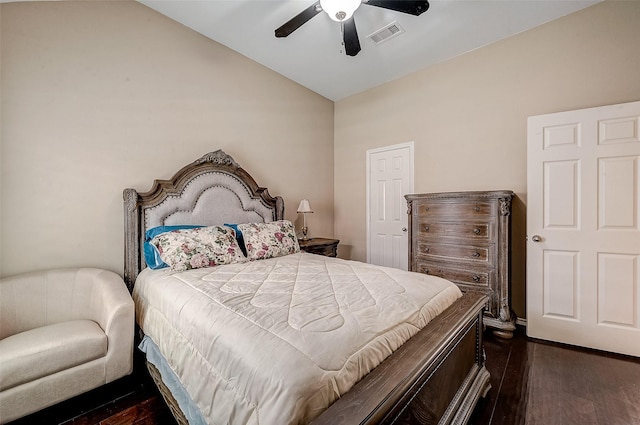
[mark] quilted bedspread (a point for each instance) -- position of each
(276, 341)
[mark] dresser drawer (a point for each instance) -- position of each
(481, 254)
(464, 230)
(467, 209)
(480, 278)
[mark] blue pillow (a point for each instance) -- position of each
(239, 237)
(151, 254)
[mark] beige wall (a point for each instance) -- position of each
(100, 96)
(467, 116)
(1, 137)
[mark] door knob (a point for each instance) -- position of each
(536, 238)
(404, 229)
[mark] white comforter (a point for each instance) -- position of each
(276, 341)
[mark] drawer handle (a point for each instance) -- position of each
(476, 231)
(426, 228)
(476, 254)
(426, 271)
(477, 208)
(476, 278)
(427, 249)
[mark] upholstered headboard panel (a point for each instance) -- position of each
(209, 199)
(212, 190)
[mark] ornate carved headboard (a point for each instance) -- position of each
(213, 190)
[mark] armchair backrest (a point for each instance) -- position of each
(32, 300)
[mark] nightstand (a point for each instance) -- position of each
(320, 246)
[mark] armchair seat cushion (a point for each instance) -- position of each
(43, 351)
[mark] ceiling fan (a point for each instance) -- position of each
(342, 11)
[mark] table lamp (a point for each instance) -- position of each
(304, 208)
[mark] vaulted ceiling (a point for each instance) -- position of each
(313, 55)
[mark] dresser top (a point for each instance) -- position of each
(492, 194)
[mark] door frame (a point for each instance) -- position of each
(370, 153)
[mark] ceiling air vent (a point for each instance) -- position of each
(385, 33)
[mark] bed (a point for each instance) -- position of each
(296, 337)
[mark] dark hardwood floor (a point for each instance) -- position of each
(533, 383)
(536, 382)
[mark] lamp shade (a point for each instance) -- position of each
(340, 10)
(304, 206)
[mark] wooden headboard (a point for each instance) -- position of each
(213, 190)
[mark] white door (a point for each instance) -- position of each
(583, 228)
(389, 178)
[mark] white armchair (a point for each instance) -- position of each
(62, 333)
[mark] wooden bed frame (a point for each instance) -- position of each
(436, 377)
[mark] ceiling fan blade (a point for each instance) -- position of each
(297, 21)
(350, 37)
(405, 6)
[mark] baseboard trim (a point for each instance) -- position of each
(521, 322)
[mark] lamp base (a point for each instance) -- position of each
(305, 230)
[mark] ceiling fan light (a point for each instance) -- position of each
(340, 10)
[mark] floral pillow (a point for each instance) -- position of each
(187, 249)
(267, 240)
(151, 255)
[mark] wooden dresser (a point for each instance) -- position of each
(465, 237)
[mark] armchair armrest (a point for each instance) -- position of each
(113, 309)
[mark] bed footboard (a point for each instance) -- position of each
(437, 377)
